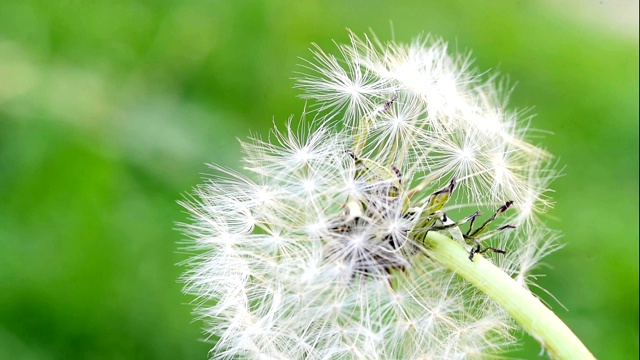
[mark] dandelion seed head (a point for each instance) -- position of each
(312, 252)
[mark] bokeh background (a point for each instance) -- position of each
(109, 111)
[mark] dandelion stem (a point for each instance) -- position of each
(540, 322)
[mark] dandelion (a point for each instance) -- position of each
(357, 234)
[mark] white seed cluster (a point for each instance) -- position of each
(310, 254)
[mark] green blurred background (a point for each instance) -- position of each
(109, 110)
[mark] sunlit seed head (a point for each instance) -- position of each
(313, 253)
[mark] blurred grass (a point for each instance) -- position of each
(108, 111)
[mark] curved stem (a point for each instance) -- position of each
(520, 303)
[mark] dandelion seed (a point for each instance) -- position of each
(319, 251)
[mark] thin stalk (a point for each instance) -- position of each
(534, 317)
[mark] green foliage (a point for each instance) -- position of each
(108, 111)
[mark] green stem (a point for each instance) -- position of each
(519, 302)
